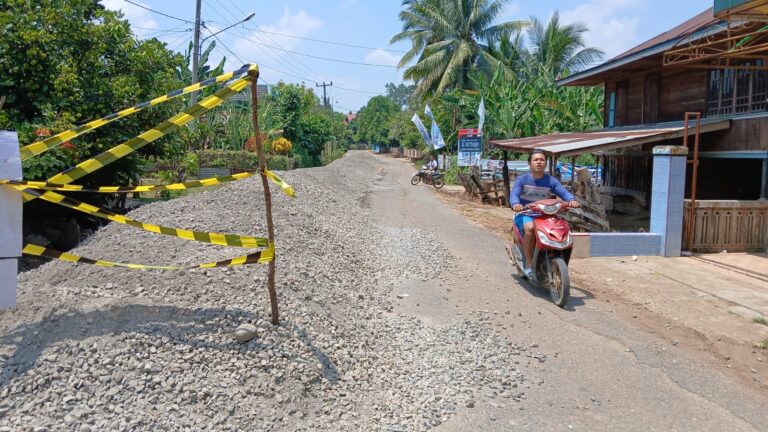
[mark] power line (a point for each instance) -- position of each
(159, 13)
(307, 68)
(319, 57)
(275, 57)
(358, 91)
(328, 42)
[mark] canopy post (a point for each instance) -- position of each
(505, 174)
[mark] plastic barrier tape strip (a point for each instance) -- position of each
(285, 187)
(43, 146)
(147, 137)
(204, 237)
(128, 189)
(264, 256)
(211, 181)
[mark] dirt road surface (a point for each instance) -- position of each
(602, 372)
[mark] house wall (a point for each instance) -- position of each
(744, 134)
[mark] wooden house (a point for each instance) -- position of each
(714, 67)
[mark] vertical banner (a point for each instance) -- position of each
(470, 147)
(422, 130)
(481, 114)
(437, 137)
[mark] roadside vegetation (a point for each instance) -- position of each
(513, 66)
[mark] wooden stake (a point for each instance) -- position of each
(267, 194)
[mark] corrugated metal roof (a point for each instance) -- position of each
(571, 144)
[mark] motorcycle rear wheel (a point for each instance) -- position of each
(415, 179)
(438, 182)
(560, 282)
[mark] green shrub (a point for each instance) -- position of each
(229, 159)
(279, 163)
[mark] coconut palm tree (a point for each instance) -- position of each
(449, 38)
(560, 49)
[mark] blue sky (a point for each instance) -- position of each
(277, 36)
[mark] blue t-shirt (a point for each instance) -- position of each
(527, 190)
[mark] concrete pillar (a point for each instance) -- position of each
(667, 195)
(10, 218)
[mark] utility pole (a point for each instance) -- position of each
(195, 50)
(325, 99)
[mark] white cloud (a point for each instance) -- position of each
(379, 56)
(300, 24)
(135, 15)
(611, 26)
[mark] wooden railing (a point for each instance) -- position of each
(734, 226)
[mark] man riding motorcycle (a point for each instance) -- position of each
(533, 187)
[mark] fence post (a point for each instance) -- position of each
(254, 74)
(10, 218)
(667, 194)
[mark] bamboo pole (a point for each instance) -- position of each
(254, 75)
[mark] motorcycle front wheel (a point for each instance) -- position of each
(438, 182)
(415, 179)
(560, 282)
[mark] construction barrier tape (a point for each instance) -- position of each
(263, 256)
(43, 146)
(204, 237)
(128, 189)
(285, 187)
(211, 181)
(147, 137)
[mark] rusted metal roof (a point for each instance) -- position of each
(572, 144)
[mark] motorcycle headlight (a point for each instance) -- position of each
(550, 209)
(559, 245)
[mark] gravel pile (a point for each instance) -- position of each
(111, 349)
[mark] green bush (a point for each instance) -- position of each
(238, 159)
(279, 163)
(228, 159)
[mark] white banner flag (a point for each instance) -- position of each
(437, 137)
(481, 113)
(422, 129)
(428, 112)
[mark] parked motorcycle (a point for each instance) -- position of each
(552, 253)
(434, 178)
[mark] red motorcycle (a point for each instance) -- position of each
(552, 253)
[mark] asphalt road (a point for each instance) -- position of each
(600, 373)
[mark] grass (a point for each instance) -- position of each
(760, 320)
(763, 344)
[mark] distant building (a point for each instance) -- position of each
(348, 119)
(261, 92)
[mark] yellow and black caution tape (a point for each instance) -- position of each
(204, 237)
(38, 185)
(263, 256)
(285, 187)
(133, 144)
(43, 146)
(211, 181)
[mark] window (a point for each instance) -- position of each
(737, 91)
(612, 109)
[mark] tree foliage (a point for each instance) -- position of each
(400, 94)
(65, 62)
(373, 120)
(448, 38)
